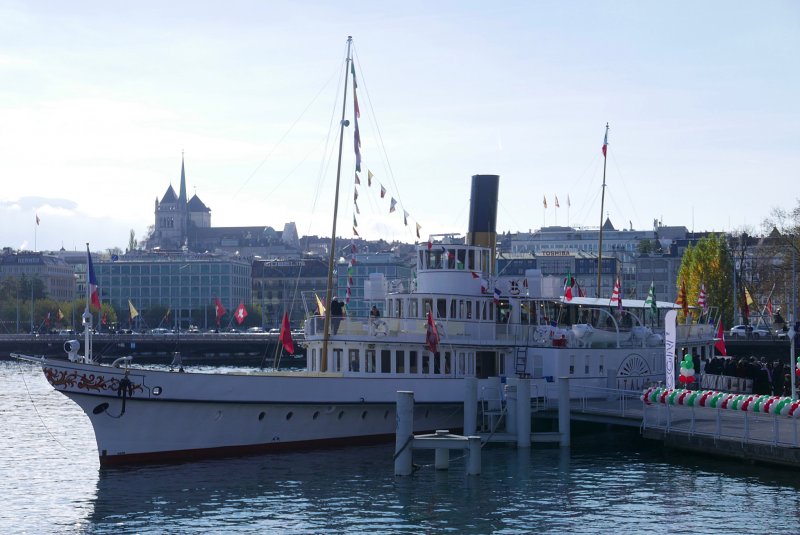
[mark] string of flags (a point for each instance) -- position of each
(370, 175)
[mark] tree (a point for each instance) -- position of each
(782, 228)
(709, 263)
(132, 244)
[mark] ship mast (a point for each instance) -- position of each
(326, 332)
(602, 207)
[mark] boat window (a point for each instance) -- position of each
(338, 360)
(453, 306)
(586, 365)
(441, 308)
(471, 260)
(451, 258)
(370, 364)
(601, 365)
(469, 310)
(400, 361)
(427, 306)
(572, 364)
(386, 360)
(461, 364)
(413, 308)
(413, 358)
(314, 359)
(460, 257)
(421, 260)
(447, 362)
(398, 308)
(426, 362)
(353, 358)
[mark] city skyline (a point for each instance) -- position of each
(100, 102)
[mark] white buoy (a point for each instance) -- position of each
(511, 405)
(524, 413)
(563, 411)
(470, 405)
(404, 434)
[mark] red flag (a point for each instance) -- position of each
(220, 310)
(568, 283)
(431, 335)
(95, 295)
(241, 313)
(616, 295)
(720, 343)
(286, 335)
(605, 142)
(769, 306)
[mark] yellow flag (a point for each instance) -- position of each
(320, 306)
(134, 312)
(747, 297)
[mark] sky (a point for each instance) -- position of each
(99, 100)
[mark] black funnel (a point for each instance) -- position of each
(483, 213)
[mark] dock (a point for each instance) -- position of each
(747, 436)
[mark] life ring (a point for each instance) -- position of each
(379, 328)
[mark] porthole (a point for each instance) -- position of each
(316, 415)
(363, 415)
(340, 415)
(261, 415)
(289, 415)
(156, 391)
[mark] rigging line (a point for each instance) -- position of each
(375, 126)
(35, 409)
(285, 134)
(627, 191)
(323, 165)
(328, 153)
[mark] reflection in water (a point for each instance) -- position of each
(608, 482)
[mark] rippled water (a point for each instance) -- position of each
(608, 482)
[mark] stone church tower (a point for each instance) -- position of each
(171, 217)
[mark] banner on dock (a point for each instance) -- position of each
(670, 328)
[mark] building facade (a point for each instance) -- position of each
(57, 277)
(187, 284)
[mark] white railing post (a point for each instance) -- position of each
(470, 405)
(563, 411)
(404, 434)
(474, 457)
(524, 413)
(511, 404)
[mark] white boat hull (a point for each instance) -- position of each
(187, 416)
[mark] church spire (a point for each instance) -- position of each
(182, 195)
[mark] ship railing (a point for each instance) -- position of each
(722, 424)
(622, 402)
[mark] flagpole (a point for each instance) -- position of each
(602, 208)
(329, 290)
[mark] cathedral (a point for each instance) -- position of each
(182, 225)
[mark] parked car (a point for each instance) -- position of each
(748, 331)
(255, 330)
(160, 330)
